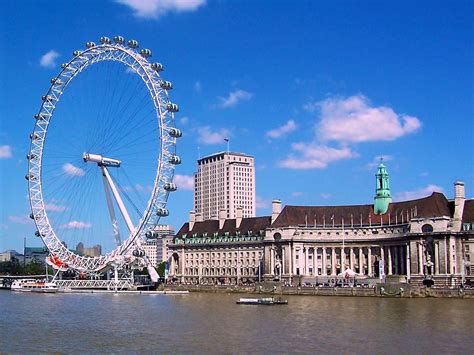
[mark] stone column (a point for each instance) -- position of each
(369, 261)
(389, 257)
(182, 262)
(420, 259)
(408, 260)
(291, 261)
(361, 261)
(450, 255)
(283, 261)
(395, 252)
(272, 262)
(315, 261)
(436, 258)
(446, 253)
(333, 261)
(351, 258)
(382, 259)
(402, 260)
(343, 259)
(323, 262)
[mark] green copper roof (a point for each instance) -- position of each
(382, 190)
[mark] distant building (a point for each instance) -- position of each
(156, 249)
(11, 255)
(94, 251)
(407, 241)
(36, 254)
(222, 183)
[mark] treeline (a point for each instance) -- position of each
(16, 268)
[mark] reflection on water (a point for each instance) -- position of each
(202, 323)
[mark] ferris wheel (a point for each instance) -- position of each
(77, 160)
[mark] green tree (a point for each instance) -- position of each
(160, 268)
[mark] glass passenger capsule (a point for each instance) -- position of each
(119, 39)
(175, 133)
(157, 67)
(162, 212)
(172, 107)
(174, 159)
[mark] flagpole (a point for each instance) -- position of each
(227, 141)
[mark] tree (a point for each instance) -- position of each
(160, 268)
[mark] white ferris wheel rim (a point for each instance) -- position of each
(139, 64)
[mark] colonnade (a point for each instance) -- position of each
(309, 260)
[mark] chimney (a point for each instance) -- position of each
(459, 190)
(192, 220)
(459, 198)
(276, 209)
(222, 217)
(238, 217)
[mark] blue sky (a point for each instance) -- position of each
(316, 91)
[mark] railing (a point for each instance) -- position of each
(123, 284)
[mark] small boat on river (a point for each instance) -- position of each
(32, 285)
(262, 301)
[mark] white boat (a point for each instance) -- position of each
(32, 285)
(262, 301)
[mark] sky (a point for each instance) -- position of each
(317, 92)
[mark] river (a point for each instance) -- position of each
(213, 323)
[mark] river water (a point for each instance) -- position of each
(213, 323)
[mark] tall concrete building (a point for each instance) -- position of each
(223, 184)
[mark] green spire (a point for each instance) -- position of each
(382, 191)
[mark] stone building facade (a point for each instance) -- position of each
(413, 240)
(224, 251)
(408, 241)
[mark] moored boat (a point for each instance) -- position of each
(262, 301)
(32, 285)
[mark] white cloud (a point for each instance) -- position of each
(325, 195)
(20, 219)
(296, 194)
(311, 106)
(5, 152)
(76, 225)
(261, 202)
(353, 120)
(184, 120)
(288, 127)
(48, 60)
(184, 182)
(207, 136)
(311, 156)
(415, 194)
(377, 159)
(154, 9)
(234, 98)
(52, 207)
(197, 86)
(72, 170)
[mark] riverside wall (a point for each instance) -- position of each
(380, 290)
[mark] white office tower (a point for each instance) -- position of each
(223, 182)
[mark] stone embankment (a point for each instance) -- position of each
(379, 290)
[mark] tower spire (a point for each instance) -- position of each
(382, 190)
